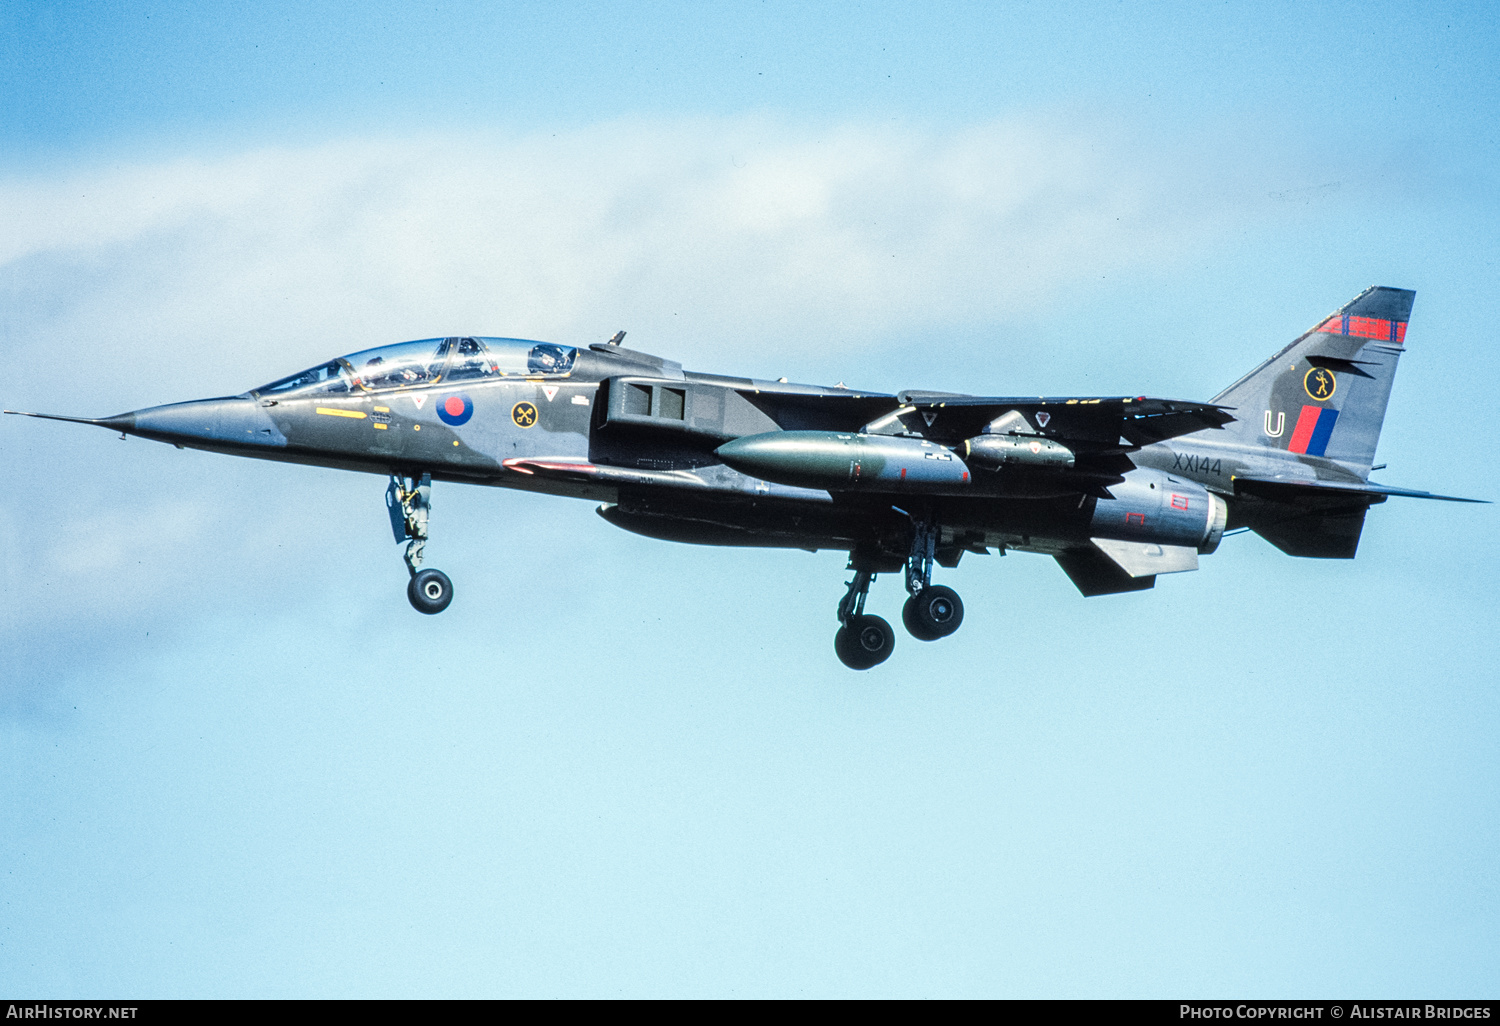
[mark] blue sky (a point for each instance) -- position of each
(237, 763)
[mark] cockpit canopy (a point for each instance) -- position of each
(428, 361)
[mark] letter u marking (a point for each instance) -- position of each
(1280, 424)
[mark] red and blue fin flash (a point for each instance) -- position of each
(1310, 436)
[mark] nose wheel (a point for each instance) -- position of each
(429, 591)
(409, 500)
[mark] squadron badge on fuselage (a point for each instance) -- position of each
(524, 414)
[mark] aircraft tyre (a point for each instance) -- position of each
(863, 642)
(430, 591)
(932, 613)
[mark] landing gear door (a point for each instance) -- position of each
(398, 516)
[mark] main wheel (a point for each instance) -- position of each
(933, 613)
(863, 642)
(430, 591)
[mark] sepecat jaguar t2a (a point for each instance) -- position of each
(1117, 489)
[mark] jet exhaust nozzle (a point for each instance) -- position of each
(1156, 507)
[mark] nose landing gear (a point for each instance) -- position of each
(408, 501)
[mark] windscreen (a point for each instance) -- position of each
(329, 377)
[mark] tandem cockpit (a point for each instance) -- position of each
(428, 361)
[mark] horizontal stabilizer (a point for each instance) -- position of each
(1145, 559)
(1280, 489)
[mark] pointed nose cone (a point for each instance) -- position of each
(120, 422)
(205, 424)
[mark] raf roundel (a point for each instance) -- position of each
(455, 409)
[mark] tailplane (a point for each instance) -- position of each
(1325, 394)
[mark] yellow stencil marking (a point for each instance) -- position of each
(356, 414)
(382, 409)
(382, 427)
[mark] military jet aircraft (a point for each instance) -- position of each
(1117, 489)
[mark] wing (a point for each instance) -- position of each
(1106, 420)
(1100, 422)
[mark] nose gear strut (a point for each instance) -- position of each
(409, 500)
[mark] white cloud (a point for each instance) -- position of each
(690, 233)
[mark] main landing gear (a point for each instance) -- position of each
(933, 611)
(409, 500)
(862, 641)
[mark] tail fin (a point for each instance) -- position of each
(1325, 394)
